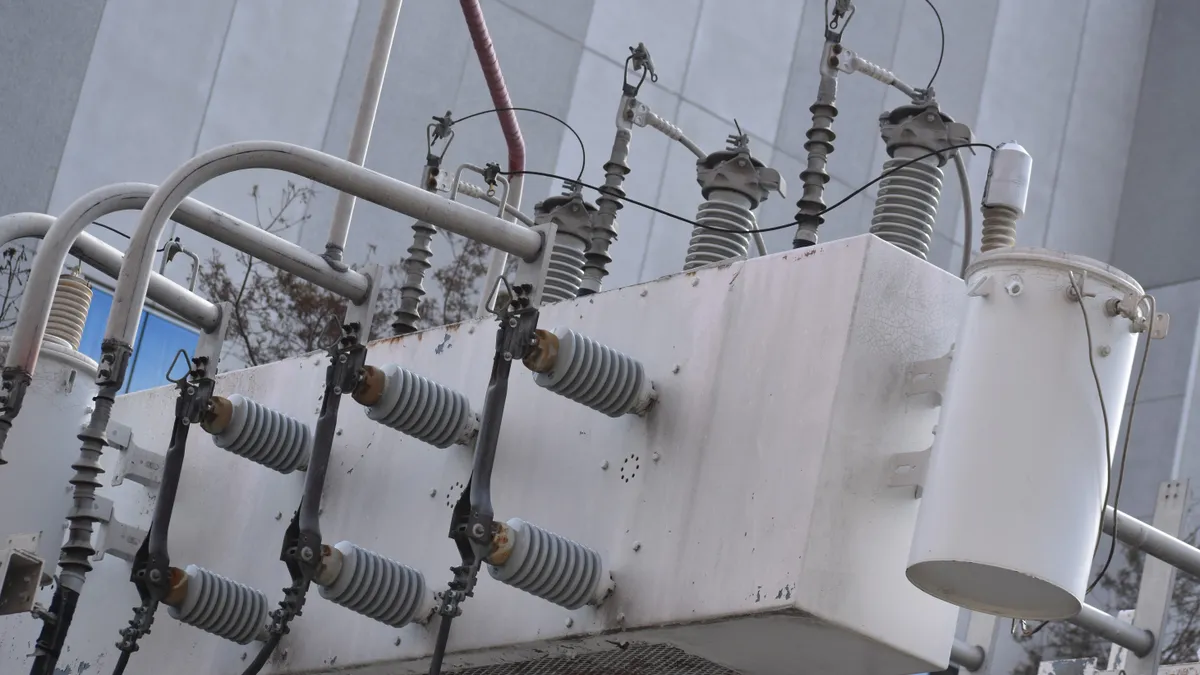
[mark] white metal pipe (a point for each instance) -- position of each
(314, 165)
(512, 206)
(476, 192)
(171, 296)
(195, 215)
(1098, 622)
(967, 656)
(1153, 541)
(343, 211)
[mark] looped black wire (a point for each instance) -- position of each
(491, 308)
(578, 138)
(332, 321)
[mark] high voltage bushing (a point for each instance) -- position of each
(218, 605)
(906, 206)
(587, 372)
(258, 433)
(734, 183)
(549, 566)
(1004, 195)
(376, 587)
(573, 216)
(417, 406)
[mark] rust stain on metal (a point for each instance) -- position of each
(370, 387)
(220, 412)
(544, 354)
(502, 543)
(179, 587)
(444, 345)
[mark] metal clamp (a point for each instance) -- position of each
(136, 463)
(908, 469)
(115, 537)
(929, 377)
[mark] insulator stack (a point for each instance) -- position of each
(222, 607)
(604, 231)
(907, 204)
(417, 406)
(573, 216)
(550, 566)
(258, 433)
(729, 221)
(69, 310)
(1004, 195)
(590, 373)
(377, 587)
(999, 228)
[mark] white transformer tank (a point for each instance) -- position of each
(1016, 481)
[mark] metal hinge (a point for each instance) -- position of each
(117, 538)
(135, 463)
(929, 377)
(907, 469)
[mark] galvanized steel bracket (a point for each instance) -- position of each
(534, 272)
(117, 538)
(907, 469)
(928, 378)
(135, 463)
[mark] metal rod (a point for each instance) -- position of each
(166, 293)
(967, 656)
(312, 164)
(343, 211)
(1137, 640)
(1152, 541)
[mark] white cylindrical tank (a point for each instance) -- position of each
(1013, 494)
(35, 493)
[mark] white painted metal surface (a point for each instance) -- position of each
(34, 493)
(756, 488)
(1015, 484)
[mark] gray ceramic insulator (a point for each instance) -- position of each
(565, 272)
(907, 204)
(597, 376)
(730, 221)
(424, 409)
(553, 568)
(265, 436)
(222, 607)
(379, 588)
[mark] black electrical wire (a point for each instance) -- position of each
(122, 661)
(115, 231)
(264, 654)
(582, 149)
(827, 209)
(942, 49)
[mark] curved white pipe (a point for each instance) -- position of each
(170, 295)
(43, 277)
(361, 138)
(318, 166)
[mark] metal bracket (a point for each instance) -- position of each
(928, 378)
(136, 463)
(534, 273)
(20, 573)
(209, 344)
(907, 469)
(364, 312)
(117, 538)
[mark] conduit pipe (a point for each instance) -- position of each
(967, 656)
(171, 296)
(1098, 622)
(343, 211)
(35, 304)
(318, 166)
(490, 64)
(1151, 540)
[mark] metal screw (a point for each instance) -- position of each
(342, 358)
(695, 282)
(306, 554)
(477, 530)
(741, 162)
(1014, 285)
(185, 421)
(675, 370)
(621, 617)
(155, 575)
(337, 390)
(1105, 350)
(279, 516)
(339, 432)
(604, 465)
(645, 293)
(656, 457)
(512, 323)
(570, 622)
(433, 493)
(508, 356)
(930, 117)
(191, 390)
(637, 546)
(471, 330)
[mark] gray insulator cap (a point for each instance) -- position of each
(379, 588)
(424, 409)
(553, 568)
(222, 607)
(597, 376)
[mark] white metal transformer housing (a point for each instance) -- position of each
(1016, 482)
(746, 519)
(34, 490)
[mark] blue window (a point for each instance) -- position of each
(158, 340)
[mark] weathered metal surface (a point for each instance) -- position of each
(764, 537)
